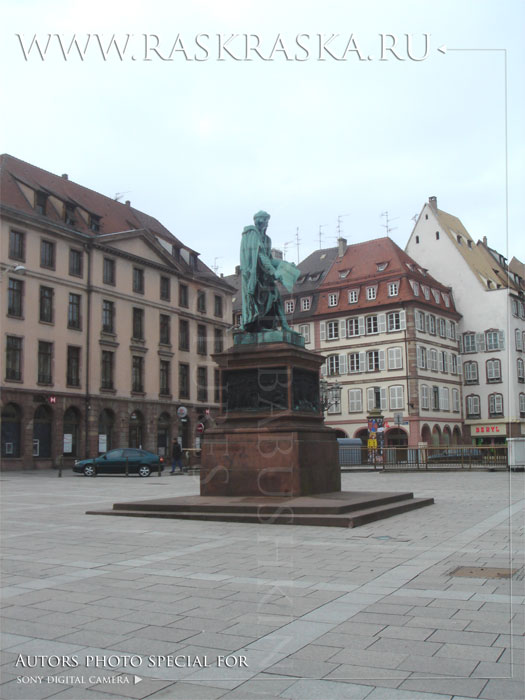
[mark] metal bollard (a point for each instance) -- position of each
(127, 466)
(60, 461)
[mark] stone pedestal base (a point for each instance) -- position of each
(271, 439)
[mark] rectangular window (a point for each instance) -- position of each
(164, 378)
(74, 319)
(108, 316)
(395, 358)
(17, 245)
(289, 305)
(46, 305)
(397, 401)
(353, 296)
(108, 271)
(13, 358)
(75, 262)
(495, 405)
(165, 329)
(218, 340)
(455, 400)
(470, 370)
(424, 397)
(394, 321)
(355, 400)
(73, 366)
(201, 301)
(333, 364)
(435, 398)
(15, 295)
(184, 334)
(333, 401)
(138, 280)
(47, 254)
(372, 360)
(94, 222)
(493, 340)
(304, 330)
(107, 370)
(137, 374)
(469, 342)
(201, 340)
(306, 303)
(473, 407)
(445, 405)
(40, 202)
(184, 381)
(442, 328)
(371, 293)
(165, 288)
(352, 327)
(138, 324)
(332, 330)
(371, 325)
(333, 299)
(217, 306)
(353, 362)
(420, 321)
(493, 371)
(431, 324)
(202, 384)
(183, 296)
(393, 289)
(45, 356)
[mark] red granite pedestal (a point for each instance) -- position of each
(270, 439)
(270, 459)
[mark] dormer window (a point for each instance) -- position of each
(415, 287)
(343, 274)
(69, 213)
(426, 291)
(333, 299)
(393, 289)
(371, 293)
(353, 296)
(306, 303)
(289, 306)
(446, 299)
(41, 202)
(94, 223)
(193, 260)
(381, 266)
(436, 296)
(459, 239)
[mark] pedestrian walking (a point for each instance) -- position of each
(176, 457)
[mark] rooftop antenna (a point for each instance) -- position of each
(387, 224)
(321, 234)
(118, 195)
(297, 240)
(285, 246)
(215, 267)
(339, 224)
(414, 218)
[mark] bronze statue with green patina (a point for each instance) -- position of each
(262, 306)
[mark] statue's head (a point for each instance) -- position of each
(261, 220)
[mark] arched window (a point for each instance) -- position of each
(71, 431)
(11, 420)
(426, 435)
(493, 371)
(519, 339)
(106, 421)
(522, 405)
(42, 430)
(495, 405)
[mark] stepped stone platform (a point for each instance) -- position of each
(337, 509)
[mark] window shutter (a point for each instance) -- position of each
(427, 323)
(383, 399)
(381, 359)
(480, 342)
(381, 323)
(501, 338)
(362, 362)
(324, 369)
(419, 360)
(441, 363)
(519, 341)
(460, 343)
(370, 399)
(460, 367)
(402, 320)
(342, 364)
(342, 329)
(361, 323)
(322, 330)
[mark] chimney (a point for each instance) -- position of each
(342, 246)
(433, 203)
(65, 176)
(237, 270)
(485, 241)
(128, 203)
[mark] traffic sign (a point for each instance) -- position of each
(200, 427)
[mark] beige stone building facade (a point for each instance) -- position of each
(108, 325)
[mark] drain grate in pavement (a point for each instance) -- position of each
(482, 572)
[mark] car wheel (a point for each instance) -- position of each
(144, 470)
(89, 470)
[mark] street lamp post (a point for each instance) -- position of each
(330, 394)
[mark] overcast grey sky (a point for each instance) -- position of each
(197, 135)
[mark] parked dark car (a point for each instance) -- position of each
(114, 462)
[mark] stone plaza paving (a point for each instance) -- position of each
(298, 613)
